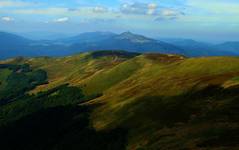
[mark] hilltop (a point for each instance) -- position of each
(143, 101)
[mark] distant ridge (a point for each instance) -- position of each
(195, 48)
(88, 37)
(13, 45)
(13, 39)
(134, 37)
(229, 46)
(129, 42)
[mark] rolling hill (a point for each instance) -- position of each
(141, 101)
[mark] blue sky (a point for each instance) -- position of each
(208, 20)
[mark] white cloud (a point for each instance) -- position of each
(99, 9)
(62, 20)
(7, 19)
(82, 11)
(126, 11)
(134, 8)
(46, 11)
(11, 3)
(151, 9)
(169, 14)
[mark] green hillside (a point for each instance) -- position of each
(120, 100)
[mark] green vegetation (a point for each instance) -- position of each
(35, 122)
(120, 100)
(28, 104)
(17, 79)
(123, 54)
(104, 80)
(4, 73)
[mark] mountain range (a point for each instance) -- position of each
(118, 100)
(14, 45)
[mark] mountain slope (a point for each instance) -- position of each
(88, 37)
(135, 38)
(163, 101)
(194, 48)
(229, 46)
(130, 42)
(13, 45)
(8, 38)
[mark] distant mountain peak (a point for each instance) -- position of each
(128, 33)
(134, 37)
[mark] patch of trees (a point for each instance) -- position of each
(14, 68)
(124, 54)
(21, 80)
(62, 95)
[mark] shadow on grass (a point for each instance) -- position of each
(60, 128)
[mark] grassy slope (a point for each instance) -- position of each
(4, 73)
(125, 105)
(103, 80)
(136, 89)
(72, 69)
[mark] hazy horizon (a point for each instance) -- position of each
(212, 21)
(44, 35)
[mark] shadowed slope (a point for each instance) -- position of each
(165, 101)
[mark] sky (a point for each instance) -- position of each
(206, 20)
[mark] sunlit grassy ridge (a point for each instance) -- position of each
(141, 100)
(170, 79)
(73, 69)
(166, 101)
